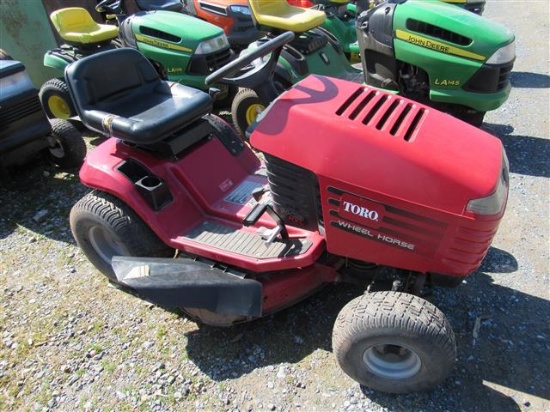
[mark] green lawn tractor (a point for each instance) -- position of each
(313, 51)
(437, 54)
(182, 48)
(341, 18)
(427, 50)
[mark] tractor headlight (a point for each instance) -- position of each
(493, 204)
(504, 54)
(213, 45)
(240, 9)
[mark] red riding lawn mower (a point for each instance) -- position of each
(358, 185)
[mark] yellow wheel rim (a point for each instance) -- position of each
(252, 112)
(59, 107)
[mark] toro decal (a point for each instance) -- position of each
(363, 217)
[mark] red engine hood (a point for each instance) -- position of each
(369, 138)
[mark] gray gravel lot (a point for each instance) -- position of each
(70, 341)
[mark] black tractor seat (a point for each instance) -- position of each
(119, 93)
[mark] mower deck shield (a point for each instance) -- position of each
(185, 283)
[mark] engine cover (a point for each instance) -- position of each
(395, 177)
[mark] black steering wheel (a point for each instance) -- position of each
(259, 78)
(109, 6)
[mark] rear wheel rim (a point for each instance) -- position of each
(252, 113)
(105, 244)
(56, 149)
(392, 361)
(59, 107)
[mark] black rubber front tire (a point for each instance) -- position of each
(245, 108)
(67, 146)
(56, 100)
(394, 342)
(104, 226)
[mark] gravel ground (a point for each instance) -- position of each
(70, 341)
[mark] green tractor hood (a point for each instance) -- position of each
(451, 30)
(173, 31)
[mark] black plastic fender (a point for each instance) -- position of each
(375, 36)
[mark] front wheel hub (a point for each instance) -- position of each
(392, 361)
(59, 107)
(252, 113)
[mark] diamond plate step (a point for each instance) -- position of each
(246, 243)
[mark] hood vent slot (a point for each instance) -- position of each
(437, 32)
(412, 127)
(159, 34)
(392, 114)
(375, 109)
(386, 115)
(349, 101)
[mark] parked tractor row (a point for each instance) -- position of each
(372, 173)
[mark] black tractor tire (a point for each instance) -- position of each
(56, 100)
(245, 109)
(394, 342)
(472, 117)
(4, 55)
(67, 146)
(104, 226)
(226, 134)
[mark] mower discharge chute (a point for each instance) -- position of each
(383, 182)
(182, 48)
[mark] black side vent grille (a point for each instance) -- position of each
(504, 76)
(218, 59)
(385, 112)
(295, 193)
(437, 32)
(162, 35)
(13, 112)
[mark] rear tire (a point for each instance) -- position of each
(245, 109)
(470, 116)
(67, 146)
(394, 342)
(104, 226)
(56, 100)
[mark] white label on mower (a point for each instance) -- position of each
(243, 192)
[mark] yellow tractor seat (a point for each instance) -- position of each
(76, 26)
(279, 15)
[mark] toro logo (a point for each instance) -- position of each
(360, 210)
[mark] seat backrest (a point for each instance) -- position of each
(269, 7)
(270, 15)
(119, 93)
(72, 19)
(101, 81)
